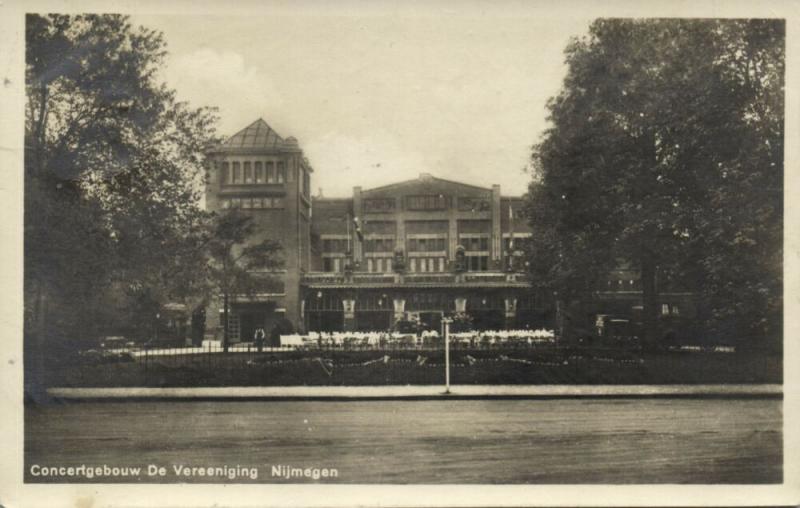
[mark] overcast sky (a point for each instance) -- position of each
(376, 96)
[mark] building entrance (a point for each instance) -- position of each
(249, 322)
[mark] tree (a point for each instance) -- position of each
(113, 167)
(665, 149)
(237, 265)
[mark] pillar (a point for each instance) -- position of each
(399, 308)
(349, 314)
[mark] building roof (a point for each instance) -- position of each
(256, 135)
(425, 181)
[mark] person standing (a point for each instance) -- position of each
(259, 339)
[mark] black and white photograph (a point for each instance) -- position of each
(340, 246)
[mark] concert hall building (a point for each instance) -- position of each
(418, 249)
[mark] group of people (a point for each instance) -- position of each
(426, 338)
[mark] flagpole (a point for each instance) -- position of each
(349, 236)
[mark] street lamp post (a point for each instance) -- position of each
(446, 323)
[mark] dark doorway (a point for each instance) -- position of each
(248, 323)
(487, 320)
(373, 320)
(325, 321)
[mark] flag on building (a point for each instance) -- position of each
(357, 229)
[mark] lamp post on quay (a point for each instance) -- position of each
(446, 324)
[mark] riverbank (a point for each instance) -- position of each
(417, 392)
(524, 366)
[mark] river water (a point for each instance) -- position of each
(435, 441)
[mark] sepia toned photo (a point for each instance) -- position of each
(402, 246)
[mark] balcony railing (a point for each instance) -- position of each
(356, 278)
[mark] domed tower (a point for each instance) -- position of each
(268, 178)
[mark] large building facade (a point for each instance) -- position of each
(413, 250)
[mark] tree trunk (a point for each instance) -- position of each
(225, 322)
(649, 300)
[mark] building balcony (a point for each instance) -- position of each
(320, 280)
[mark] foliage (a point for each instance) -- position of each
(237, 265)
(113, 170)
(666, 150)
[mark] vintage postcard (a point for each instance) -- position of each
(378, 253)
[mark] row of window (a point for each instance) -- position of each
(423, 265)
(436, 202)
(477, 263)
(415, 264)
(429, 202)
(379, 245)
(426, 244)
(379, 265)
(246, 173)
(473, 204)
(474, 244)
(378, 205)
(334, 245)
(253, 203)
(335, 265)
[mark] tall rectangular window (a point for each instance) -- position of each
(477, 263)
(223, 176)
(281, 172)
(236, 176)
(259, 172)
(270, 172)
(427, 202)
(248, 172)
